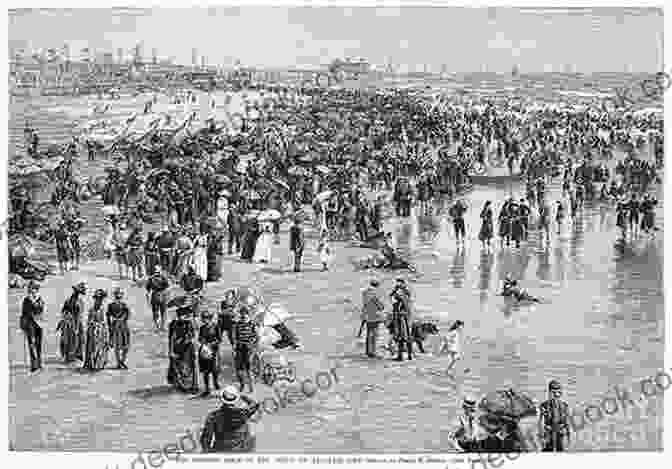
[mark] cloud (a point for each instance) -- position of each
(500, 42)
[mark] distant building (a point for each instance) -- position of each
(350, 67)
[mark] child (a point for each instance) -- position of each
(244, 342)
(451, 343)
(324, 250)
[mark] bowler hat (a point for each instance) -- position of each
(554, 385)
(375, 283)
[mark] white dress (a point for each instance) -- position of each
(222, 212)
(200, 259)
(263, 249)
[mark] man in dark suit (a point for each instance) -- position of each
(296, 243)
(554, 420)
(234, 223)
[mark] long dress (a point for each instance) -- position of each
(72, 330)
(97, 340)
(200, 257)
(250, 241)
(486, 231)
(263, 250)
(182, 364)
(120, 334)
(184, 247)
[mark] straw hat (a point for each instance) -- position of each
(230, 395)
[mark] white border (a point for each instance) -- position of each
(532, 461)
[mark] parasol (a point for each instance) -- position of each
(273, 315)
(280, 183)
(322, 196)
(298, 171)
(20, 246)
(269, 215)
(251, 194)
(176, 297)
(508, 403)
(323, 169)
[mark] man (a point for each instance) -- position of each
(191, 283)
(296, 243)
(209, 338)
(234, 224)
(156, 287)
(372, 316)
(469, 431)
(63, 246)
(245, 338)
(554, 420)
(401, 318)
(118, 314)
(457, 212)
(32, 311)
(166, 245)
(226, 429)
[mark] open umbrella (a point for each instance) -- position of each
(273, 315)
(251, 194)
(508, 403)
(269, 215)
(322, 169)
(322, 196)
(298, 171)
(280, 183)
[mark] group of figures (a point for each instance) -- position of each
(106, 328)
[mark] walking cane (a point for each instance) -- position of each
(25, 348)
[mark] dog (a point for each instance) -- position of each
(420, 330)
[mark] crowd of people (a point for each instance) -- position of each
(183, 204)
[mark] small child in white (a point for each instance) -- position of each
(451, 343)
(324, 250)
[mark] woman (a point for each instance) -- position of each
(227, 313)
(118, 314)
(559, 215)
(263, 249)
(134, 260)
(486, 231)
(182, 364)
(70, 326)
(119, 239)
(545, 220)
(324, 251)
(504, 220)
(215, 253)
(184, 249)
(151, 253)
(97, 337)
(250, 240)
(200, 257)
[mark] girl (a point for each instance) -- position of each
(324, 250)
(451, 344)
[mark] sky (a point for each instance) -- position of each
(465, 39)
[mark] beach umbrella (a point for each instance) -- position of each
(273, 315)
(280, 183)
(269, 215)
(322, 196)
(508, 403)
(323, 169)
(298, 171)
(251, 194)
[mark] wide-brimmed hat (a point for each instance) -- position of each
(469, 403)
(230, 395)
(100, 293)
(554, 385)
(80, 287)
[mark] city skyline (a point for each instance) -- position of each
(533, 40)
